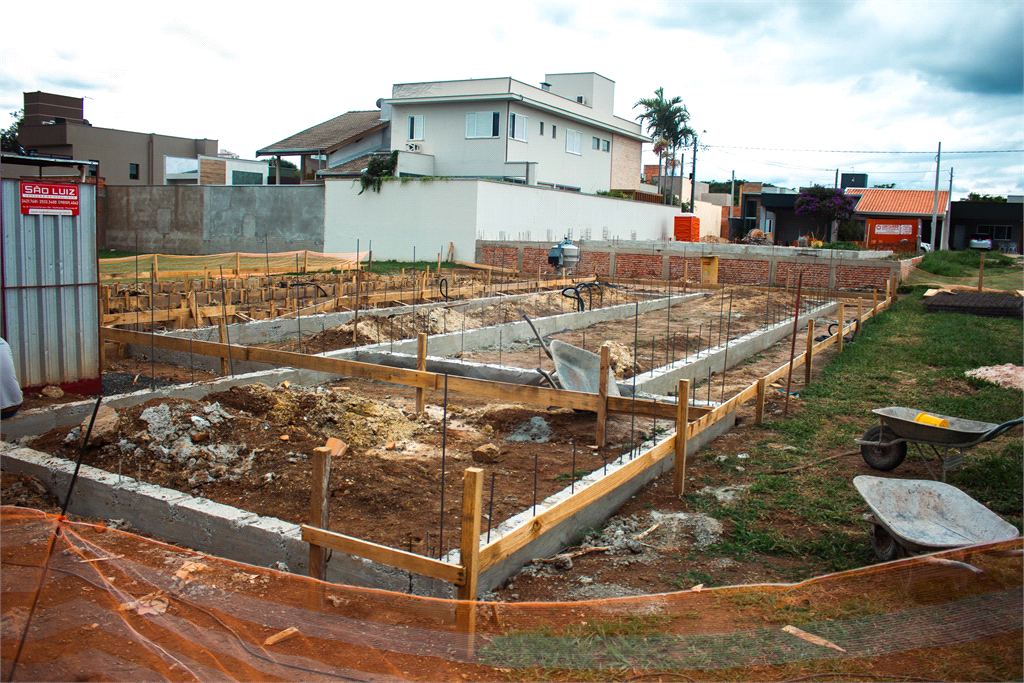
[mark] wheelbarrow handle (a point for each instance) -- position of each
(1001, 429)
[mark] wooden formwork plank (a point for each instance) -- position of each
(417, 564)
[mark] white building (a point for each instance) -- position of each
(214, 170)
(562, 135)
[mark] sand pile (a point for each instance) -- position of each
(1008, 375)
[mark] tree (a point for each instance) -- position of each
(826, 206)
(663, 119)
(9, 136)
(885, 186)
(993, 199)
(284, 163)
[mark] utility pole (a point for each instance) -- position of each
(837, 179)
(693, 173)
(946, 223)
(732, 195)
(935, 204)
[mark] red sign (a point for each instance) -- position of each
(893, 233)
(49, 199)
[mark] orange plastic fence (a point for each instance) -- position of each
(116, 606)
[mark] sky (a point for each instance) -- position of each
(761, 80)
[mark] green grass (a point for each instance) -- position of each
(565, 476)
(965, 263)
(114, 253)
(391, 267)
(905, 357)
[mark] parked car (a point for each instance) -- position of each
(980, 243)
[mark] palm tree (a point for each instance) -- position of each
(661, 117)
(680, 136)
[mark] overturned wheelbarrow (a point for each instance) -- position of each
(910, 516)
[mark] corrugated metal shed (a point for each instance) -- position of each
(49, 295)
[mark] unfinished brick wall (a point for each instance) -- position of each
(595, 263)
(745, 272)
(532, 258)
(638, 265)
(680, 267)
(492, 256)
(814, 275)
(849, 277)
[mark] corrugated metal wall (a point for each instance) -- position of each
(50, 300)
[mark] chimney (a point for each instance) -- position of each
(546, 87)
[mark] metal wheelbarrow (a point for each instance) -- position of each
(911, 516)
(884, 447)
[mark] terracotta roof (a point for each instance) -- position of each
(329, 134)
(899, 202)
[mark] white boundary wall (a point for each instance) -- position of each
(430, 214)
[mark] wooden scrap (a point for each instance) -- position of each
(648, 531)
(811, 638)
(280, 636)
(698, 588)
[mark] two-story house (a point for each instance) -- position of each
(563, 134)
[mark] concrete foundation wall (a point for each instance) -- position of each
(212, 219)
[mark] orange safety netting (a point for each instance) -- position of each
(116, 606)
(278, 262)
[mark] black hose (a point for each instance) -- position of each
(442, 288)
(303, 284)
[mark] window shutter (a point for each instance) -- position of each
(495, 124)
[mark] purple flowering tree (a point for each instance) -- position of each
(826, 206)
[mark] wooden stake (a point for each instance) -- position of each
(809, 352)
(686, 273)
(156, 269)
(682, 418)
(981, 271)
(762, 389)
(318, 508)
(860, 311)
(223, 332)
(842, 326)
(305, 261)
(438, 263)
(421, 364)
(874, 302)
(469, 551)
(602, 392)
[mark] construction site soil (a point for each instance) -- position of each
(249, 447)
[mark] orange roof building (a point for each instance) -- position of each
(885, 202)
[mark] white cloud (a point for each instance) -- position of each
(792, 75)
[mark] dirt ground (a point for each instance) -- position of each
(249, 447)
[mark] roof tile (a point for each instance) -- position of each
(328, 134)
(909, 202)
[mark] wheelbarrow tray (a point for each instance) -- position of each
(959, 432)
(929, 515)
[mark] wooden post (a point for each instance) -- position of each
(686, 272)
(369, 263)
(223, 331)
(810, 351)
(981, 271)
(762, 389)
(682, 419)
(489, 273)
(421, 364)
(438, 263)
(602, 392)
(874, 302)
(860, 311)
(469, 551)
(238, 265)
(156, 269)
(305, 261)
(842, 325)
(318, 509)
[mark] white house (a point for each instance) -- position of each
(562, 135)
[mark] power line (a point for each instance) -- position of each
(862, 151)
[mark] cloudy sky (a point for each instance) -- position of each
(860, 80)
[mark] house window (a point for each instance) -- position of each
(1002, 232)
(416, 127)
(573, 141)
(482, 124)
(595, 143)
(553, 127)
(606, 146)
(542, 128)
(517, 125)
(133, 171)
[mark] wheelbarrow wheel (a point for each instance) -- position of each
(884, 458)
(884, 545)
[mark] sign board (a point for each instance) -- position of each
(48, 199)
(893, 233)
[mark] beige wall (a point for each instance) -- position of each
(625, 163)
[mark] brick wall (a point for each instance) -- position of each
(492, 256)
(814, 275)
(848, 277)
(638, 265)
(680, 267)
(625, 163)
(595, 262)
(745, 272)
